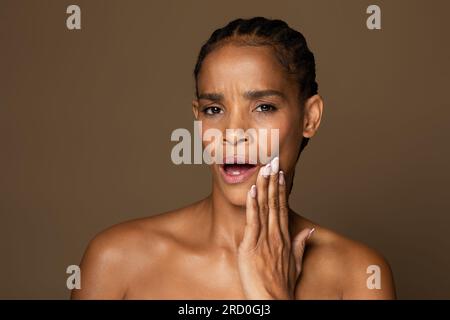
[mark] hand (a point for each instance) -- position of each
(269, 263)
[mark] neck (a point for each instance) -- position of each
(226, 221)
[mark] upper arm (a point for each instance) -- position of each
(102, 274)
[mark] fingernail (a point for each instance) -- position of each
(266, 170)
(253, 191)
(281, 178)
(261, 171)
(310, 232)
(275, 164)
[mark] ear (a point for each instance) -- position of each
(312, 114)
(195, 107)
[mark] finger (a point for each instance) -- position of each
(283, 206)
(262, 182)
(273, 202)
(252, 226)
(299, 246)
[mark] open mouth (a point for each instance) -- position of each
(237, 169)
(237, 172)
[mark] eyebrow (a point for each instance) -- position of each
(250, 95)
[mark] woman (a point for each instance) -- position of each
(242, 241)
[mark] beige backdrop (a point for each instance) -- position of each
(86, 118)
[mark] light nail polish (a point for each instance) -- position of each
(275, 164)
(261, 171)
(253, 191)
(281, 178)
(267, 170)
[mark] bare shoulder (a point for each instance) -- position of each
(344, 268)
(116, 255)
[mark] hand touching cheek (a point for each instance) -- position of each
(269, 261)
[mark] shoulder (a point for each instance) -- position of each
(116, 255)
(354, 269)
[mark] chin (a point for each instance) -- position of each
(237, 193)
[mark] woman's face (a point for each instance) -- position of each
(245, 87)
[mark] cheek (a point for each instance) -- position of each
(287, 120)
(289, 148)
(290, 138)
(210, 136)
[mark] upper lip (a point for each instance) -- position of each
(236, 159)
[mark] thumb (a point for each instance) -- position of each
(299, 246)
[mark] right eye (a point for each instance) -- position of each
(212, 110)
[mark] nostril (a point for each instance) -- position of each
(235, 136)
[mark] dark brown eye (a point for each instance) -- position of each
(212, 110)
(265, 108)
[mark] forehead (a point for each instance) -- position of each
(242, 68)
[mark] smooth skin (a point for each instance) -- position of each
(242, 241)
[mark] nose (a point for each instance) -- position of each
(235, 137)
(236, 131)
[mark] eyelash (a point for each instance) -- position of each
(272, 108)
(205, 110)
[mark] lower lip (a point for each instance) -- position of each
(241, 177)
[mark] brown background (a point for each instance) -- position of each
(86, 118)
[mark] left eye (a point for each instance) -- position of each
(265, 108)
